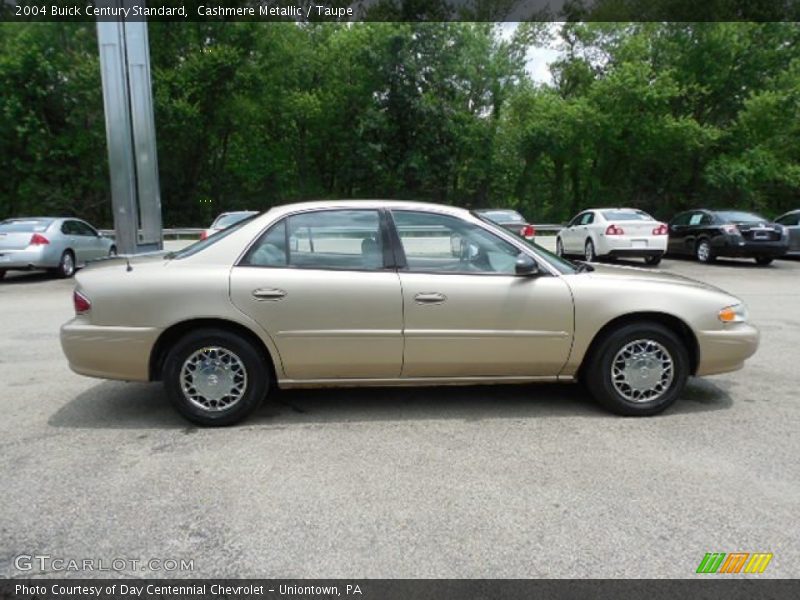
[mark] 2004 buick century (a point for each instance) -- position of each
(385, 293)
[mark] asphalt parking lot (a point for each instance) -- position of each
(506, 481)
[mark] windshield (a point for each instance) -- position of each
(502, 215)
(201, 245)
(229, 219)
(735, 216)
(626, 215)
(562, 265)
(24, 225)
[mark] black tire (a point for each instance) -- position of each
(112, 252)
(702, 251)
(2, 273)
(764, 260)
(589, 253)
(559, 247)
(251, 362)
(66, 266)
(652, 260)
(601, 382)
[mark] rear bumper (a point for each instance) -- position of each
(28, 258)
(738, 248)
(726, 350)
(108, 352)
(631, 245)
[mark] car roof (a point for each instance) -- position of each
(368, 203)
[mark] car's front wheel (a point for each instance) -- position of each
(215, 377)
(638, 369)
(763, 260)
(559, 247)
(2, 273)
(112, 252)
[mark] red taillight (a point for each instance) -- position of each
(528, 231)
(661, 230)
(203, 235)
(37, 239)
(614, 230)
(81, 303)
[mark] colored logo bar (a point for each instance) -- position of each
(734, 562)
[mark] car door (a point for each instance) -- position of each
(569, 234)
(321, 284)
(73, 240)
(466, 312)
(92, 244)
(677, 233)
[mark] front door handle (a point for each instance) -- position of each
(268, 294)
(430, 298)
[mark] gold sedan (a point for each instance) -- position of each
(380, 293)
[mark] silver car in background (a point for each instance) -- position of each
(58, 244)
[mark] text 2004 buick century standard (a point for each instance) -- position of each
(382, 293)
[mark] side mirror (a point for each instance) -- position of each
(526, 266)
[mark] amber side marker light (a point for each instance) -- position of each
(733, 314)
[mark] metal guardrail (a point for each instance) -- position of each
(168, 234)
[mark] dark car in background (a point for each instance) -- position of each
(791, 220)
(509, 219)
(708, 234)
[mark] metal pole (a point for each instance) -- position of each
(130, 131)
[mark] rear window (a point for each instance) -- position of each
(626, 215)
(503, 215)
(737, 216)
(224, 221)
(24, 226)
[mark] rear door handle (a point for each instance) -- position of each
(268, 294)
(430, 298)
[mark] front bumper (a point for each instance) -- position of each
(108, 352)
(727, 349)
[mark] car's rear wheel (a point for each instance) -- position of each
(66, 266)
(559, 247)
(112, 251)
(588, 251)
(763, 260)
(215, 377)
(652, 260)
(702, 251)
(2, 273)
(638, 369)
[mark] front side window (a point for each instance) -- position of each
(82, 228)
(331, 239)
(445, 244)
(588, 218)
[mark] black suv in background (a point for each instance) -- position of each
(707, 234)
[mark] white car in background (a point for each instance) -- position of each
(225, 220)
(614, 232)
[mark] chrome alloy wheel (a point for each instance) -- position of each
(213, 378)
(642, 371)
(703, 251)
(68, 264)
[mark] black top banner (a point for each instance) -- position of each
(395, 589)
(400, 10)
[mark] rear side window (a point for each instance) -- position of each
(331, 239)
(24, 226)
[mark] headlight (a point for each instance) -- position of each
(733, 314)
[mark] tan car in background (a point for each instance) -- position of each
(376, 293)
